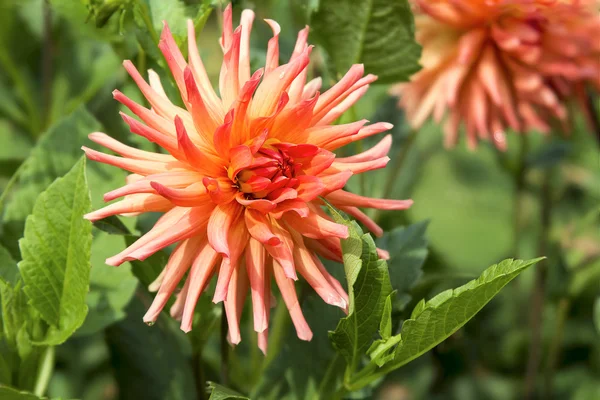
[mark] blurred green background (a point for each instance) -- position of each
(60, 61)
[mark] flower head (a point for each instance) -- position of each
(498, 64)
(242, 177)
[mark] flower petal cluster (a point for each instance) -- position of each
(491, 65)
(242, 177)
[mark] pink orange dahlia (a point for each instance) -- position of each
(240, 186)
(498, 64)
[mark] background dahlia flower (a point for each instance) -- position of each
(240, 186)
(498, 64)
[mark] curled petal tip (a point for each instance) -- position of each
(114, 261)
(185, 327)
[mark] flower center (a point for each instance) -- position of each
(272, 168)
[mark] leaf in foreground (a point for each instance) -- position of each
(369, 290)
(433, 321)
(8, 393)
(56, 254)
(219, 392)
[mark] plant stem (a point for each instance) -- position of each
(23, 89)
(394, 169)
(519, 192)
(224, 348)
(13, 179)
(45, 372)
(537, 300)
(199, 375)
(145, 14)
(564, 306)
(328, 374)
(47, 56)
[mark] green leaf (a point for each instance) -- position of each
(8, 393)
(15, 310)
(56, 254)
(112, 225)
(9, 273)
(369, 288)
(408, 251)
(377, 33)
(220, 392)
(435, 320)
(380, 351)
(150, 362)
(53, 156)
(111, 288)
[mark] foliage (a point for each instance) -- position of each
(71, 326)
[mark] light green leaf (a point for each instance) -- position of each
(15, 310)
(8, 393)
(220, 392)
(381, 349)
(9, 273)
(435, 320)
(377, 33)
(368, 289)
(56, 254)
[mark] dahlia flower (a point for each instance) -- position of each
(242, 178)
(498, 64)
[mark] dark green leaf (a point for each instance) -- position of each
(220, 392)
(408, 251)
(56, 254)
(377, 33)
(111, 288)
(150, 363)
(53, 156)
(112, 225)
(149, 269)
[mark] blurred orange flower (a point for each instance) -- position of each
(498, 64)
(241, 180)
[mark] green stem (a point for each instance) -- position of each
(199, 377)
(519, 192)
(145, 14)
(339, 394)
(278, 329)
(538, 295)
(44, 372)
(394, 169)
(553, 354)
(47, 56)
(277, 336)
(14, 178)
(23, 90)
(327, 376)
(224, 348)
